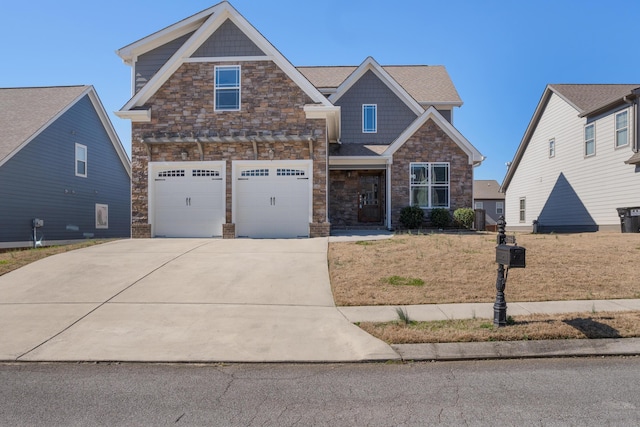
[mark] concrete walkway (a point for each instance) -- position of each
(181, 300)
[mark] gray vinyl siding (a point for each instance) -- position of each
(228, 40)
(394, 116)
(149, 63)
(40, 182)
(489, 206)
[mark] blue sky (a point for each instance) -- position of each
(500, 54)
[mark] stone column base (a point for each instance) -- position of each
(141, 231)
(228, 231)
(319, 229)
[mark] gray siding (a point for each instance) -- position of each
(228, 40)
(149, 63)
(393, 114)
(40, 182)
(489, 206)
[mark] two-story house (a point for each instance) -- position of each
(578, 160)
(230, 139)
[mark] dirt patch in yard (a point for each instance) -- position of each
(457, 268)
(531, 327)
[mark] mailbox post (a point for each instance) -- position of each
(509, 256)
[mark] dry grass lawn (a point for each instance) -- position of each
(533, 327)
(456, 268)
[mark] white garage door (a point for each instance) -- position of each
(272, 199)
(188, 199)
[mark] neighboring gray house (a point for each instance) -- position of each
(61, 162)
(578, 160)
(487, 196)
(230, 139)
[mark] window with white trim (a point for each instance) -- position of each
(500, 208)
(590, 140)
(227, 88)
(622, 129)
(369, 118)
(479, 205)
(523, 209)
(429, 185)
(552, 148)
(81, 160)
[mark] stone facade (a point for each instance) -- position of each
(431, 144)
(344, 189)
(271, 104)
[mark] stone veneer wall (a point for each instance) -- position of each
(344, 187)
(431, 144)
(270, 102)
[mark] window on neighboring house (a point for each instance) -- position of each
(227, 88)
(429, 185)
(590, 140)
(369, 118)
(622, 129)
(500, 208)
(523, 209)
(479, 205)
(552, 147)
(81, 160)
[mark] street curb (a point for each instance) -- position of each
(519, 349)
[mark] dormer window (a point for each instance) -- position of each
(369, 118)
(227, 88)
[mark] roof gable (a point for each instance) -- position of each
(589, 98)
(206, 23)
(228, 40)
(474, 156)
(26, 112)
(371, 65)
(487, 189)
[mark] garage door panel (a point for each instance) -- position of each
(189, 200)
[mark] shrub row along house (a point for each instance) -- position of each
(578, 161)
(230, 139)
(61, 162)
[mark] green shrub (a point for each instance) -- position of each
(464, 217)
(440, 217)
(411, 216)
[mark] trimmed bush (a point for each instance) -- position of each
(411, 217)
(440, 218)
(464, 217)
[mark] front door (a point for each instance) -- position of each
(369, 206)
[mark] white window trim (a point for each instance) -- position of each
(499, 208)
(616, 130)
(522, 214)
(375, 118)
(552, 148)
(85, 160)
(478, 205)
(429, 185)
(239, 88)
(102, 216)
(584, 136)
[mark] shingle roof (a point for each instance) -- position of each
(24, 111)
(487, 190)
(587, 98)
(425, 83)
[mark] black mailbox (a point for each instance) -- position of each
(510, 256)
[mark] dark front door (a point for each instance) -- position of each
(369, 206)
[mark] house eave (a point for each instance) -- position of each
(139, 116)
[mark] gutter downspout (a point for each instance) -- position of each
(634, 114)
(388, 195)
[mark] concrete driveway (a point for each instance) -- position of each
(181, 300)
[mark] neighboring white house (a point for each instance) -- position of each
(578, 160)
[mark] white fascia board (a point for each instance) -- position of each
(143, 116)
(426, 105)
(130, 52)
(331, 114)
(475, 157)
(370, 64)
(219, 14)
(358, 160)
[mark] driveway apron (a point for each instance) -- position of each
(181, 300)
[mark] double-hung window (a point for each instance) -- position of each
(590, 140)
(622, 129)
(369, 118)
(227, 88)
(81, 160)
(552, 148)
(429, 185)
(499, 208)
(523, 209)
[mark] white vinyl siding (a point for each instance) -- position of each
(601, 183)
